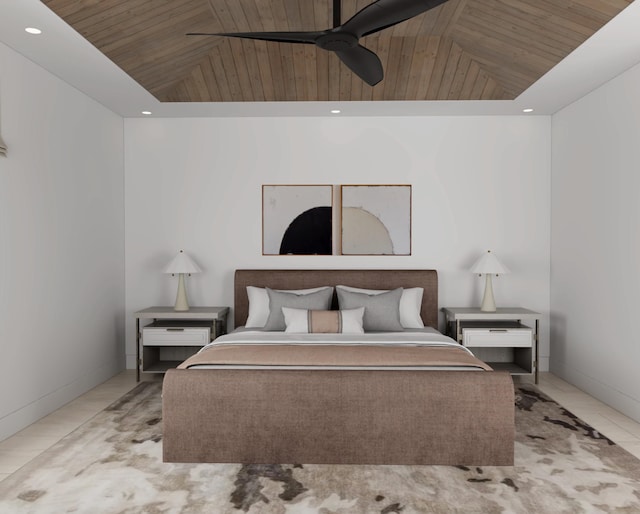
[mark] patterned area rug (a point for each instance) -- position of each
(113, 464)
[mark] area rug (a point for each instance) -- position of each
(113, 464)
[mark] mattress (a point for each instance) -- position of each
(425, 349)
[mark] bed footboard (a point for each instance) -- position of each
(338, 417)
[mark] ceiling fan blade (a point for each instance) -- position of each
(364, 63)
(282, 37)
(386, 13)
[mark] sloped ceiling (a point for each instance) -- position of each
(462, 50)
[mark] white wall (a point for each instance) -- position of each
(61, 243)
(595, 250)
(478, 183)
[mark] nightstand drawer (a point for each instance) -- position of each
(175, 336)
(497, 337)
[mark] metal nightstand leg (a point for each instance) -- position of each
(137, 349)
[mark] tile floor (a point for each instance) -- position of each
(19, 449)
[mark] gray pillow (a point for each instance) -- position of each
(381, 311)
(320, 300)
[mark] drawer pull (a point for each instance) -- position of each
(498, 330)
(175, 330)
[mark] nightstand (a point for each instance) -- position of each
(172, 336)
(506, 339)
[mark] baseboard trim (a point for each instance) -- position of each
(37, 409)
(131, 361)
(605, 393)
(543, 364)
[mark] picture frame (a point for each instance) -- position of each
(375, 219)
(297, 219)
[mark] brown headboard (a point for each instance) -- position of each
(367, 279)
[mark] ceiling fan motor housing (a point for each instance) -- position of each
(337, 41)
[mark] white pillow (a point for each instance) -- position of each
(259, 304)
(304, 321)
(410, 304)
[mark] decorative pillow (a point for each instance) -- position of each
(259, 303)
(320, 300)
(381, 311)
(323, 322)
(410, 304)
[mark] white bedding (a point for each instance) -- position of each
(421, 337)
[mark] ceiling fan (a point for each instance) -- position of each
(344, 39)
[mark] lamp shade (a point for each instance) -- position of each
(182, 263)
(488, 263)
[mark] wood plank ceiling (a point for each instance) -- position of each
(461, 50)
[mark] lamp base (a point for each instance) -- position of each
(181, 298)
(488, 302)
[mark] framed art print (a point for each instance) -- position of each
(376, 220)
(297, 220)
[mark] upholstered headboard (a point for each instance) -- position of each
(367, 279)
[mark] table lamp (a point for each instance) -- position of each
(487, 265)
(180, 265)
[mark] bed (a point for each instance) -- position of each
(376, 413)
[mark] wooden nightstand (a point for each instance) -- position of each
(173, 336)
(506, 339)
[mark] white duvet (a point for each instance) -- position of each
(422, 337)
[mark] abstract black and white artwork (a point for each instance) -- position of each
(376, 220)
(297, 220)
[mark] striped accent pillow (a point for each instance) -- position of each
(323, 322)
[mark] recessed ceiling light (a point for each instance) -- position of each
(147, 113)
(528, 109)
(33, 30)
(335, 111)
